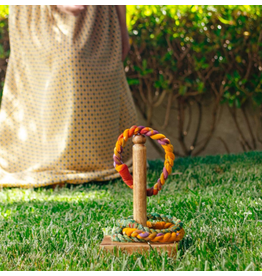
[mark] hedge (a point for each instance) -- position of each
(183, 54)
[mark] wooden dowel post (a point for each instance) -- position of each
(139, 179)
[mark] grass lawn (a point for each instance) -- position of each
(217, 197)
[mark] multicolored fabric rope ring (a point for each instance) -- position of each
(153, 134)
(162, 229)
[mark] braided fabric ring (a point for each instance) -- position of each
(163, 229)
(153, 134)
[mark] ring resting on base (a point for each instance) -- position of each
(162, 229)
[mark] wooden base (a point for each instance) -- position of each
(129, 247)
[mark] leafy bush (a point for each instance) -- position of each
(184, 53)
(4, 11)
(191, 41)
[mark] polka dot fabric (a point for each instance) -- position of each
(65, 99)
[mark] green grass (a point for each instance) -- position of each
(217, 197)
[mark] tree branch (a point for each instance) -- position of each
(180, 118)
(198, 127)
(169, 103)
(233, 113)
(249, 127)
(224, 143)
(214, 117)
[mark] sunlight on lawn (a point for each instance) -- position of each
(18, 195)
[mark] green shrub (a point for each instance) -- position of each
(4, 11)
(184, 53)
(185, 48)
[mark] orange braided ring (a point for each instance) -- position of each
(161, 229)
(154, 134)
(152, 237)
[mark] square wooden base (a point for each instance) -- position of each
(129, 247)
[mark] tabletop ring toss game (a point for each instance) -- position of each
(142, 228)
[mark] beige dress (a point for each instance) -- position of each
(65, 99)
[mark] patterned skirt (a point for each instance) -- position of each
(65, 99)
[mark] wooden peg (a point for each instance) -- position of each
(139, 179)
